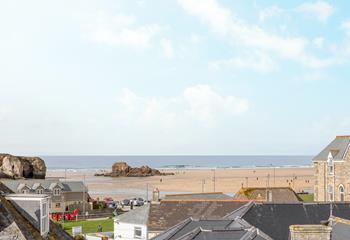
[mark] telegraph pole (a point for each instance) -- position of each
(84, 195)
(274, 176)
(214, 179)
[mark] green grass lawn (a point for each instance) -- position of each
(90, 226)
(307, 197)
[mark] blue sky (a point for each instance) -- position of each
(173, 77)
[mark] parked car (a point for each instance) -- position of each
(111, 205)
(125, 202)
(137, 201)
(108, 200)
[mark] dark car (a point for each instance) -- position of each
(125, 202)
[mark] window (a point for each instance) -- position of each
(40, 191)
(58, 205)
(330, 164)
(44, 227)
(44, 218)
(25, 191)
(341, 193)
(56, 192)
(44, 207)
(137, 232)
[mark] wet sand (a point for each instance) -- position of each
(227, 180)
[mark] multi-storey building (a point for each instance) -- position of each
(64, 195)
(332, 171)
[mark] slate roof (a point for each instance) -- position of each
(138, 215)
(14, 224)
(30, 209)
(340, 228)
(69, 186)
(211, 229)
(168, 213)
(274, 219)
(202, 196)
(339, 147)
(279, 194)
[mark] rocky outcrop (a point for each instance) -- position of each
(21, 167)
(122, 169)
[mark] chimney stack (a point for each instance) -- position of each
(310, 232)
(155, 195)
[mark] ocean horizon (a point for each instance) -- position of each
(175, 161)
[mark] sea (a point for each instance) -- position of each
(176, 161)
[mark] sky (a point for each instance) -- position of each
(173, 77)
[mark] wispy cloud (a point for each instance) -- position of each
(321, 10)
(269, 12)
(257, 61)
(121, 30)
(199, 103)
(167, 47)
(346, 27)
(221, 21)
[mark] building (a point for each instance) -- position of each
(272, 194)
(168, 213)
(35, 207)
(65, 196)
(331, 170)
(334, 229)
(132, 225)
(279, 221)
(275, 219)
(19, 217)
(212, 229)
(152, 219)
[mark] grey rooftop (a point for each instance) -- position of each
(67, 186)
(338, 147)
(138, 215)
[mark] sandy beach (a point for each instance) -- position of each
(227, 180)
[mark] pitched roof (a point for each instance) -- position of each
(203, 196)
(232, 234)
(138, 215)
(338, 147)
(36, 186)
(13, 223)
(274, 219)
(211, 229)
(30, 209)
(168, 213)
(279, 194)
(68, 186)
(340, 228)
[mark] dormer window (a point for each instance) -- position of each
(330, 164)
(56, 191)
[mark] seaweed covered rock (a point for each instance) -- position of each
(122, 169)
